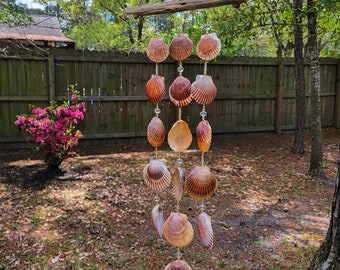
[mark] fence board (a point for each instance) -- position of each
(4, 89)
(246, 92)
(337, 99)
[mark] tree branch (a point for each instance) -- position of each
(173, 6)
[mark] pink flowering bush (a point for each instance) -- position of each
(54, 129)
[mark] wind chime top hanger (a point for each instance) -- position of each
(172, 6)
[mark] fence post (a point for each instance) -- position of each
(51, 82)
(337, 99)
(279, 95)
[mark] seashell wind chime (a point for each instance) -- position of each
(200, 183)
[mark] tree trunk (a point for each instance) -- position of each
(328, 256)
(299, 83)
(315, 167)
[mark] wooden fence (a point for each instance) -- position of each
(247, 99)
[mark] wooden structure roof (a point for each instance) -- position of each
(43, 31)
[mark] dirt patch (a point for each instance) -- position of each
(95, 213)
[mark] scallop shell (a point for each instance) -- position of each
(155, 88)
(157, 50)
(208, 47)
(181, 47)
(177, 230)
(178, 265)
(204, 230)
(180, 91)
(201, 183)
(203, 90)
(156, 132)
(157, 219)
(157, 175)
(179, 136)
(178, 183)
(203, 135)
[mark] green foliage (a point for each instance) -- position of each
(256, 28)
(329, 28)
(12, 14)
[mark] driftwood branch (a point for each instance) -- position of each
(173, 6)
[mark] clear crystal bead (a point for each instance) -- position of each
(207, 27)
(202, 207)
(157, 110)
(180, 69)
(156, 198)
(203, 113)
(179, 255)
(179, 161)
(156, 32)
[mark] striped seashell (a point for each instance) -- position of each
(180, 91)
(155, 88)
(178, 184)
(157, 50)
(203, 90)
(201, 183)
(181, 47)
(179, 136)
(178, 265)
(157, 219)
(208, 47)
(203, 135)
(157, 175)
(156, 132)
(204, 230)
(177, 230)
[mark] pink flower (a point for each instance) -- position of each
(54, 128)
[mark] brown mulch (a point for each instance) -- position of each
(267, 213)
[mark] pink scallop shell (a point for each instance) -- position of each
(201, 183)
(180, 91)
(203, 90)
(208, 47)
(156, 175)
(156, 132)
(177, 230)
(155, 88)
(203, 135)
(204, 230)
(178, 183)
(157, 219)
(157, 50)
(178, 265)
(179, 136)
(181, 47)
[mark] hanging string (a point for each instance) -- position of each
(180, 69)
(179, 254)
(202, 206)
(157, 198)
(202, 159)
(203, 113)
(205, 67)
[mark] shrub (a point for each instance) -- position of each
(54, 129)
